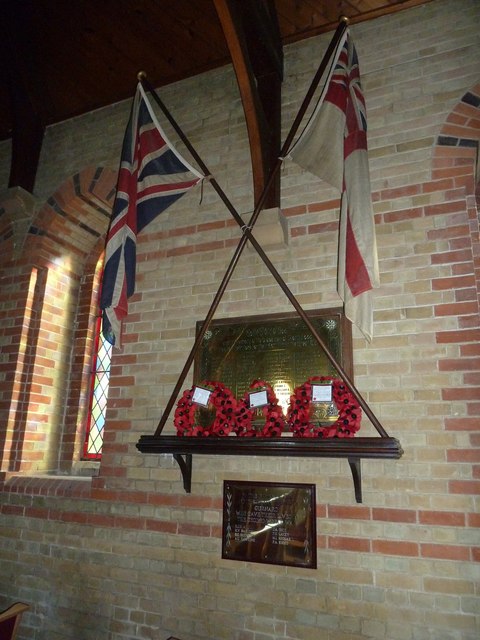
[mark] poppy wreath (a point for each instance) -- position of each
(300, 411)
(274, 421)
(221, 398)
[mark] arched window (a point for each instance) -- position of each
(99, 383)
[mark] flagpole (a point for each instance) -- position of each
(247, 236)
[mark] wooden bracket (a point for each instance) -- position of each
(356, 469)
(354, 449)
(185, 464)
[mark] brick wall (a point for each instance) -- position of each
(128, 554)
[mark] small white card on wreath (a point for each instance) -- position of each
(201, 396)
(321, 392)
(258, 398)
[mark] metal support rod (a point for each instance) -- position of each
(247, 236)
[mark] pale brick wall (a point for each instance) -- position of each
(129, 554)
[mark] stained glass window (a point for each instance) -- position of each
(100, 377)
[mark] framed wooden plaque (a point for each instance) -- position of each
(270, 522)
(278, 348)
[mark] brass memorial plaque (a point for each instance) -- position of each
(269, 522)
(279, 349)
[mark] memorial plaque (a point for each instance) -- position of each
(279, 349)
(270, 522)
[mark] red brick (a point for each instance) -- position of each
(458, 231)
(449, 257)
(100, 520)
(126, 522)
(400, 192)
(99, 493)
(321, 542)
(466, 182)
(188, 529)
(456, 309)
(462, 424)
(182, 231)
(348, 544)
(161, 525)
(456, 244)
(180, 251)
(295, 211)
(463, 455)
(470, 350)
(349, 513)
(473, 520)
(462, 295)
(472, 379)
(214, 245)
(298, 231)
(162, 499)
(321, 511)
(456, 118)
(323, 227)
(208, 226)
(473, 409)
(442, 518)
(328, 205)
(197, 502)
(464, 487)
(459, 282)
(447, 207)
(468, 322)
(455, 337)
(461, 268)
(459, 364)
(12, 510)
(444, 551)
(449, 172)
(406, 214)
(395, 548)
(394, 515)
(462, 393)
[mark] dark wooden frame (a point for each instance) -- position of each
(288, 541)
(346, 356)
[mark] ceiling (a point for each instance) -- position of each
(65, 58)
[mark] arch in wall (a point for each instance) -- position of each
(56, 271)
(455, 161)
(456, 156)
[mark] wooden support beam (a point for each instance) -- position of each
(253, 38)
(27, 139)
(28, 91)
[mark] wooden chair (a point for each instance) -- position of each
(10, 620)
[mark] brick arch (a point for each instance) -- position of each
(77, 214)
(60, 244)
(457, 145)
(455, 162)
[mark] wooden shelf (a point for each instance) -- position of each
(354, 449)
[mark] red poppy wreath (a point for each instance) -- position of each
(274, 421)
(300, 411)
(221, 399)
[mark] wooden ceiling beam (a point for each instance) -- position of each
(253, 39)
(28, 97)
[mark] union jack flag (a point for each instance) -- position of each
(152, 176)
(333, 146)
